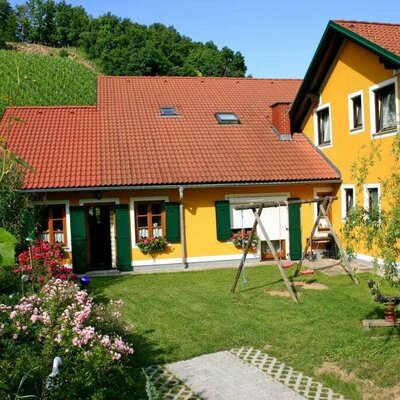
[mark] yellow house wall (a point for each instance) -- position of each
(200, 216)
(355, 69)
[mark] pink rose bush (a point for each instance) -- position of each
(67, 316)
(63, 320)
(44, 261)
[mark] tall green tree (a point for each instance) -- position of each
(8, 23)
(36, 21)
(23, 23)
(70, 22)
(14, 204)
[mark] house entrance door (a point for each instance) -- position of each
(99, 236)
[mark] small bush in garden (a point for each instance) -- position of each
(63, 53)
(62, 320)
(43, 261)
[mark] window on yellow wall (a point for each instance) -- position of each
(373, 198)
(348, 199)
(384, 107)
(356, 112)
(52, 224)
(324, 127)
(150, 220)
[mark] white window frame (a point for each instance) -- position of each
(344, 187)
(374, 132)
(248, 198)
(368, 186)
(316, 131)
(352, 128)
(65, 203)
(132, 212)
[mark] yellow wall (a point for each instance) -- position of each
(356, 69)
(200, 217)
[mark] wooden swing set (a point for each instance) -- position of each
(324, 204)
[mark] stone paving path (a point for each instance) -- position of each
(241, 374)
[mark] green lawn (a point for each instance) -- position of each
(181, 315)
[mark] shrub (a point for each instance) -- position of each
(43, 261)
(64, 321)
(9, 281)
(63, 53)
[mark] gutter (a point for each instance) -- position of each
(182, 227)
(189, 186)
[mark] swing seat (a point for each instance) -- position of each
(287, 264)
(307, 272)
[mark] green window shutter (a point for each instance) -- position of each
(172, 221)
(223, 216)
(78, 239)
(295, 231)
(123, 237)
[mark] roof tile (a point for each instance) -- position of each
(384, 35)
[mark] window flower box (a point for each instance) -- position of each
(240, 239)
(152, 245)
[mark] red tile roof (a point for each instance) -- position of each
(124, 141)
(384, 35)
(61, 143)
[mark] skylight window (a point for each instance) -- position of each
(227, 118)
(168, 111)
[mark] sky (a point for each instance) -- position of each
(277, 38)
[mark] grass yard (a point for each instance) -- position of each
(181, 315)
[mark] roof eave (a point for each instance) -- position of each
(184, 185)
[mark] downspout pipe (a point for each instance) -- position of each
(182, 227)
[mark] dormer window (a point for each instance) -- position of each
(227, 118)
(168, 112)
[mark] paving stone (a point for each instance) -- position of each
(295, 380)
(222, 376)
(241, 374)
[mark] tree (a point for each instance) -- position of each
(122, 47)
(23, 23)
(36, 21)
(78, 24)
(8, 23)
(377, 229)
(14, 204)
(70, 22)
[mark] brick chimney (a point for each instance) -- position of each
(280, 117)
